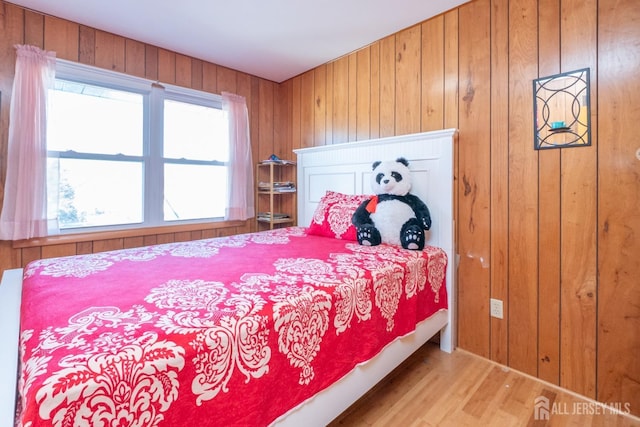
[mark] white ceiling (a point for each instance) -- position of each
(275, 39)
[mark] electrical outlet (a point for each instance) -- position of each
(496, 308)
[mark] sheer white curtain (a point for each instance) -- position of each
(24, 207)
(240, 203)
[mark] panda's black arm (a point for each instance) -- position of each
(421, 210)
(361, 216)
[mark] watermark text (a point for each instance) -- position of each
(543, 408)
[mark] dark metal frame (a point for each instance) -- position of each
(561, 110)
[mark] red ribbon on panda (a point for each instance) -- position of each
(373, 203)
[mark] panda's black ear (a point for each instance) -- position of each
(403, 161)
(375, 164)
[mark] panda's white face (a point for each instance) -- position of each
(391, 178)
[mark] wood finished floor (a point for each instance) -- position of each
(433, 388)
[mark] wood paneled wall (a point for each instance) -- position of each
(554, 234)
(90, 46)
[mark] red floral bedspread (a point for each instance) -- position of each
(226, 331)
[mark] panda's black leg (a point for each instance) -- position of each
(368, 235)
(412, 235)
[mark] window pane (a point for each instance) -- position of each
(90, 124)
(194, 132)
(97, 193)
(192, 192)
(93, 119)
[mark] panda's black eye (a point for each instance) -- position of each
(379, 177)
(396, 176)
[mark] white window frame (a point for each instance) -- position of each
(154, 94)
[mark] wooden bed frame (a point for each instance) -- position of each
(343, 168)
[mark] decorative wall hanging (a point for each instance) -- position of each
(561, 112)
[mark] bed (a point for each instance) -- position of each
(284, 327)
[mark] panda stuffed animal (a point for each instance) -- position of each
(393, 215)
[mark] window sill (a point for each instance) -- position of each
(119, 234)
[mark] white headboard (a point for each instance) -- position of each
(346, 168)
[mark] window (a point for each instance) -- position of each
(190, 155)
(123, 152)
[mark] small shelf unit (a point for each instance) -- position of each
(275, 194)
